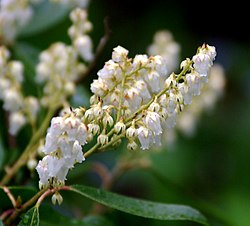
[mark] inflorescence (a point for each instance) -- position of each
(133, 98)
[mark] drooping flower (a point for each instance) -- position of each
(62, 149)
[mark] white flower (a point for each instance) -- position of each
(203, 60)
(83, 44)
(42, 72)
(57, 126)
(57, 198)
(99, 87)
(119, 54)
(140, 60)
(120, 127)
(31, 164)
(31, 105)
(153, 122)
(58, 69)
(14, 14)
(153, 79)
(202, 63)
(4, 85)
(184, 90)
(194, 83)
(132, 145)
(77, 152)
(145, 137)
(63, 148)
(43, 171)
(16, 70)
(16, 121)
(102, 139)
(131, 132)
(108, 120)
(164, 45)
(12, 100)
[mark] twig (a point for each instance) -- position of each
(10, 195)
(103, 172)
(6, 214)
(22, 208)
(38, 198)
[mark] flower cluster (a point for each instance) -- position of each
(22, 109)
(62, 149)
(140, 92)
(165, 46)
(133, 98)
(58, 70)
(78, 33)
(129, 83)
(59, 67)
(14, 14)
(212, 91)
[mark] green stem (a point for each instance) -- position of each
(112, 142)
(91, 150)
(184, 70)
(29, 149)
(120, 99)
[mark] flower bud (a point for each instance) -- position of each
(132, 145)
(102, 139)
(120, 127)
(57, 198)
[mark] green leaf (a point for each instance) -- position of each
(50, 216)
(97, 221)
(30, 218)
(140, 207)
(46, 15)
(1, 223)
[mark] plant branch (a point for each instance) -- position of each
(23, 207)
(38, 198)
(10, 195)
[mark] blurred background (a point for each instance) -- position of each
(209, 170)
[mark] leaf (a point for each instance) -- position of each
(1, 223)
(30, 218)
(140, 207)
(50, 216)
(45, 15)
(97, 221)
